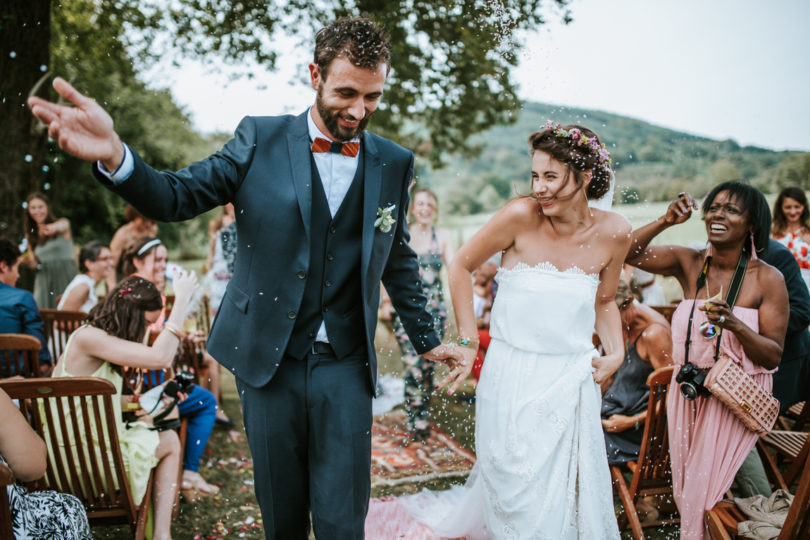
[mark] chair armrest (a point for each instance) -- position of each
(6, 475)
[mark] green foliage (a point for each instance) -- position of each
(451, 59)
(630, 195)
(794, 171)
(98, 64)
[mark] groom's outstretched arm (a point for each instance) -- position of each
(86, 131)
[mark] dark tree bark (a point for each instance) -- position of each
(24, 58)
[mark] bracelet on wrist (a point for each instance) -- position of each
(173, 329)
(469, 343)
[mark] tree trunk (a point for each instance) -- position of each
(24, 59)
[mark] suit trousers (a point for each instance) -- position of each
(309, 431)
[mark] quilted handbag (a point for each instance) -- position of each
(748, 401)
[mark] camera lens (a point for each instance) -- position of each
(688, 391)
(171, 389)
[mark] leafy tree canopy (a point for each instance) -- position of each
(451, 59)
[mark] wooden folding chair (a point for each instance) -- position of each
(800, 414)
(652, 474)
(724, 517)
(19, 355)
(6, 479)
(75, 418)
(59, 324)
(783, 448)
(151, 378)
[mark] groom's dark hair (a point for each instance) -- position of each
(360, 40)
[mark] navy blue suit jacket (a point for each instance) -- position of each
(265, 170)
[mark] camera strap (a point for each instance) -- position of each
(731, 299)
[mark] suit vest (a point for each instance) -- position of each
(332, 294)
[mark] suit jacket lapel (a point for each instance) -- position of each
(371, 199)
(299, 149)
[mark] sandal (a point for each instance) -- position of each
(223, 420)
(194, 487)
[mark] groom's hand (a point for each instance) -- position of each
(86, 130)
(460, 368)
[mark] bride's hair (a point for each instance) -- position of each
(561, 144)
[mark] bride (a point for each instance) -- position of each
(542, 470)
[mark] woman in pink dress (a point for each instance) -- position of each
(707, 442)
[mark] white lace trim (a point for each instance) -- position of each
(545, 266)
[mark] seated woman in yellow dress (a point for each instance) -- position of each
(112, 339)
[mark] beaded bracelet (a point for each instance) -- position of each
(471, 343)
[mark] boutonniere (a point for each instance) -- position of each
(384, 219)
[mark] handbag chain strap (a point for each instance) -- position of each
(731, 299)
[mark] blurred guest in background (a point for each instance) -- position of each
(790, 226)
(18, 311)
(648, 346)
(433, 249)
(137, 226)
(221, 256)
(95, 264)
(644, 287)
(50, 250)
(484, 289)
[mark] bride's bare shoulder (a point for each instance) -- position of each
(521, 207)
(613, 225)
(612, 222)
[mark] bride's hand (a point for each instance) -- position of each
(605, 366)
(459, 371)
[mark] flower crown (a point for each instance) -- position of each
(580, 139)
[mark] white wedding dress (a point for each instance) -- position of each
(542, 471)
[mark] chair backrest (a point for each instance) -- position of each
(653, 466)
(59, 324)
(797, 522)
(75, 418)
(19, 355)
(666, 310)
(188, 359)
(6, 479)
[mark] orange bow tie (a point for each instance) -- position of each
(347, 149)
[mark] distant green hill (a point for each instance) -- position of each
(652, 163)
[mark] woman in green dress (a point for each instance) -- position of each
(50, 250)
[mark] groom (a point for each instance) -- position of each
(320, 210)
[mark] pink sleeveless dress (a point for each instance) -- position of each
(707, 442)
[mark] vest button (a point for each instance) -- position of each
(327, 283)
(291, 314)
(301, 274)
(312, 334)
(330, 257)
(325, 309)
(332, 229)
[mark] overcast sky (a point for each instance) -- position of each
(735, 69)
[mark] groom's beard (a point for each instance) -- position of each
(330, 120)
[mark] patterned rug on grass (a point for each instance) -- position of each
(392, 463)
